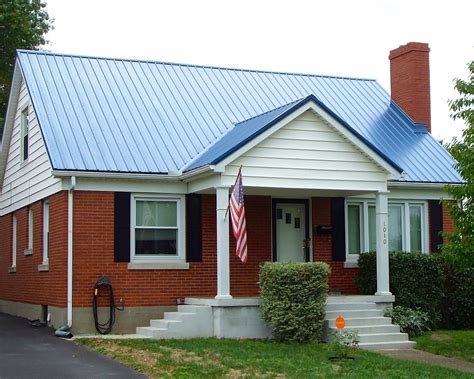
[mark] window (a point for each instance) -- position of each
(406, 227)
(157, 230)
(45, 232)
(30, 229)
(24, 134)
(14, 236)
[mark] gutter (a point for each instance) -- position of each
(69, 250)
(171, 176)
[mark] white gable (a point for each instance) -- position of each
(31, 180)
(308, 152)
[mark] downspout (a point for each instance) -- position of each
(69, 250)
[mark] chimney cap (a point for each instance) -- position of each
(409, 47)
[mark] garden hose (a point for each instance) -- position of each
(106, 327)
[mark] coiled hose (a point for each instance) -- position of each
(106, 327)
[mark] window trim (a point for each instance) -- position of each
(24, 132)
(405, 204)
(14, 239)
(181, 230)
(46, 231)
(30, 228)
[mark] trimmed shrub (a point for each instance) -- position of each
(411, 321)
(293, 299)
(416, 280)
(458, 302)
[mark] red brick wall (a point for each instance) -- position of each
(448, 225)
(27, 284)
(340, 279)
(410, 80)
(94, 255)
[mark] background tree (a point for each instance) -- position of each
(23, 25)
(460, 244)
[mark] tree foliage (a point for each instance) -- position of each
(460, 243)
(23, 25)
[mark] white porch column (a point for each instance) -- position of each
(222, 230)
(381, 211)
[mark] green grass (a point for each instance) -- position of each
(213, 358)
(450, 343)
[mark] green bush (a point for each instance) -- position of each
(458, 302)
(411, 321)
(294, 299)
(416, 280)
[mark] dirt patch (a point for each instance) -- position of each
(440, 337)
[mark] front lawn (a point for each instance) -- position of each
(232, 358)
(450, 343)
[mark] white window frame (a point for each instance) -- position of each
(14, 239)
(354, 257)
(29, 250)
(24, 132)
(46, 224)
(405, 204)
(181, 235)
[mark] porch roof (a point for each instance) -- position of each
(245, 131)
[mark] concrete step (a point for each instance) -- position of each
(361, 321)
(359, 313)
(179, 316)
(162, 323)
(397, 345)
(351, 306)
(383, 337)
(149, 331)
(371, 329)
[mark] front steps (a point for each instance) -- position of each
(375, 331)
(190, 321)
(240, 318)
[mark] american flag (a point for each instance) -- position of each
(239, 226)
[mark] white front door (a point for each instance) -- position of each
(290, 242)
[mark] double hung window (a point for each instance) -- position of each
(407, 227)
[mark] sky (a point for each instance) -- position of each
(332, 37)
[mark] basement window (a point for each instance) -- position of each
(157, 229)
(24, 134)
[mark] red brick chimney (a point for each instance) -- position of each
(410, 80)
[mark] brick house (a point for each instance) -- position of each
(123, 168)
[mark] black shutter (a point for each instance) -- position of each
(436, 225)
(122, 227)
(193, 228)
(338, 229)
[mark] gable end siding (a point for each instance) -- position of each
(308, 153)
(31, 180)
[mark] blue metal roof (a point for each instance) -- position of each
(115, 115)
(245, 131)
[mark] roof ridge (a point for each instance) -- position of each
(44, 52)
(271, 110)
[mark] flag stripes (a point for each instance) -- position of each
(239, 225)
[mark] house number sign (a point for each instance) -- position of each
(384, 230)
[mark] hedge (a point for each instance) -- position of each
(293, 299)
(416, 280)
(458, 302)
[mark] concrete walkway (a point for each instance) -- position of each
(433, 359)
(29, 352)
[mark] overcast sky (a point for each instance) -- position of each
(333, 37)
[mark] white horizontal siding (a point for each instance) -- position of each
(307, 153)
(32, 180)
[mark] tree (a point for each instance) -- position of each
(460, 243)
(23, 25)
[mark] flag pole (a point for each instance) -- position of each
(228, 206)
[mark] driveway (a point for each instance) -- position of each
(29, 352)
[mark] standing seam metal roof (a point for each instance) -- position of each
(114, 115)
